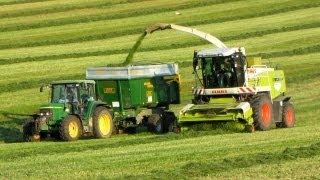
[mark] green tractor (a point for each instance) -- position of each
(72, 111)
(113, 99)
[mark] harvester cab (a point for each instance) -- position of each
(73, 110)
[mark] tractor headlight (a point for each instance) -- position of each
(45, 112)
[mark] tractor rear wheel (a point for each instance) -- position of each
(29, 134)
(262, 111)
(70, 128)
(288, 115)
(103, 126)
(155, 123)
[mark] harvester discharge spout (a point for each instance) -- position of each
(162, 26)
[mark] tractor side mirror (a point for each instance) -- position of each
(43, 87)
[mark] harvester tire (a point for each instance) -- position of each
(262, 111)
(102, 122)
(70, 128)
(155, 123)
(29, 134)
(288, 115)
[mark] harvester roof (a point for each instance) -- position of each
(220, 52)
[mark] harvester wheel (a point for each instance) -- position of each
(288, 115)
(155, 123)
(70, 128)
(29, 134)
(262, 111)
(103, 126)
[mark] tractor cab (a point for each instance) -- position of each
(73, 95)
(220, 68)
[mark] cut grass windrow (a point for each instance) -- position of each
(18, 10)
(20, 2)
(177, 45)
(196, 169)
(31, 39)
(107, 14)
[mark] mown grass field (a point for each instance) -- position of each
(46, 40)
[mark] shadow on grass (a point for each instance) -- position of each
(204, 169)
(9, 131)
(116, 142)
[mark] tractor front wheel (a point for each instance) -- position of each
(102, 123)
(70, 128)
(262, 111)
(29, 133)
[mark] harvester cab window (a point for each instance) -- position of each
(221, 72)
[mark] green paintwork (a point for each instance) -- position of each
(128, 97)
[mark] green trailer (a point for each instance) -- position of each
(112, 99)
(139, 95)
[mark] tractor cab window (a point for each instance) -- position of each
(87, 92)
(64, 93)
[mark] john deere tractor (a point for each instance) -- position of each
(231, 87)
(115, 98)
(72, 111)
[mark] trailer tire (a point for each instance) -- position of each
(155, 123)
(169, 122)
(70, 128)
(262, 111)
(103, 126)
(288, 115)
(29, 134)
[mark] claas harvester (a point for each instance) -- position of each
(112, 99)
(232, 87)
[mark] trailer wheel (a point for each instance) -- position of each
(29, 134)
(169, 122)
(262, 111)
(102, 123)
(70, 128)
(155, 123)
(288, 115)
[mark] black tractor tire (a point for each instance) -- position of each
(29, 134)
(169, 122)
(155, 123)
(262, 111)
(70, 128)
(288, 116)
(103, 126)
